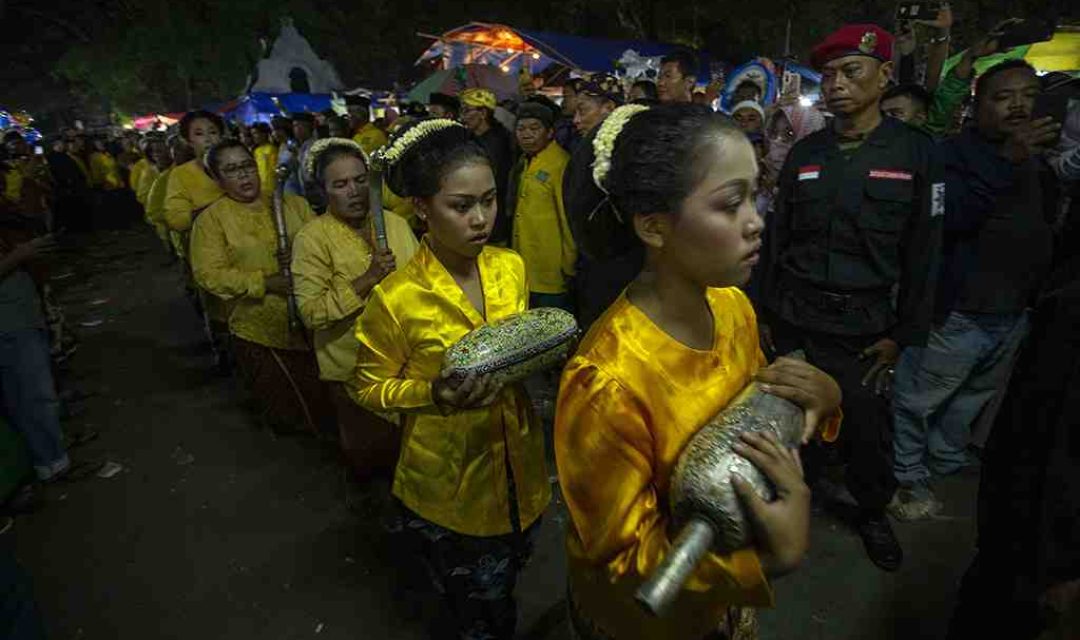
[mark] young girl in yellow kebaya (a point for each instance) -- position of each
(666, 357)
(471, 476)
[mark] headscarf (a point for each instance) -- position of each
(479, 98)
(803, 121)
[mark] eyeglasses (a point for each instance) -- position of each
(234, 171)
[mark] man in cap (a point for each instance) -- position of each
(365, 133)
(441, 105)
(850, 261)
(478, 114)
(598, 96)
(535, 207)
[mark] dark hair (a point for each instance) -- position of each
(748, 83)
(261, 126)
(214, 154)
(655, 165)
(191, 116)
(1001, 67)
(687, 61)
(648, 87)
(325, 159)
(420, 170)
(915, 92)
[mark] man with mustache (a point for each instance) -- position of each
(997, 250)
(849, 263)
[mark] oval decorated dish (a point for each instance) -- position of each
(514, 348)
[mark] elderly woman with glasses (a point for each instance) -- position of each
(235, 257)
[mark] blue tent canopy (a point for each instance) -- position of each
(261, 107)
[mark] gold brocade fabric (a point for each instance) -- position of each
(452, 469)
(629, 401)
(541, 234)
(328, 255)
(233, 248)
(189, 191)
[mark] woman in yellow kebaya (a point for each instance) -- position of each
(335, 266)
(471, 477)
(235, 257)
(667, 356)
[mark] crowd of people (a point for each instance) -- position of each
(914, 241)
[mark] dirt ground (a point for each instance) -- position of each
(218, 529)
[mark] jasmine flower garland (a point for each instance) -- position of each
(397, 147)
(320, 146)
(604, 142)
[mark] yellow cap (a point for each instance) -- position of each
(478, 98)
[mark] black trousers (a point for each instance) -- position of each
(865, 442)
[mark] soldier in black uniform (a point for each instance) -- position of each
(850, 261)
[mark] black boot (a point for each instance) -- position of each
(881, 544)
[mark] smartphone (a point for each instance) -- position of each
(1055, 106)
(917, 11)
(791, 84)
(1027, 31)
(39, 151)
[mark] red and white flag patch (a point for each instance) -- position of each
(891, 174)
(809, 172)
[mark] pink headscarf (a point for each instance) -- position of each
(803, 121)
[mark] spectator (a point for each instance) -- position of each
(746, 91)
(295, 154)
(441, 105)
(535, 209)
(908, 103)
(566, 133)
(478, 115)
(997, 251)
(644, 92)
(678, 75)
(749, 116)
(597, 98)
(337, 127)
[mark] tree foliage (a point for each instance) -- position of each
(167, 55)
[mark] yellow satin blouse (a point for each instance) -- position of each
(266, 159)
(190, 190)
(452, 468)
(104, 172)
(370, 138)
(135, 174)
(328, 255)
(233, 247)
(629, 401)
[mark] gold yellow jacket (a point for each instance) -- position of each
(327, 256)
(104, 172)
(155, 212)
(233, 248)
(541, 233)
(629, 401)
(136, 173)
(266, 158)
(370, 138)
(452, 469)
(190, 190)
(146, 180)
(401, 206)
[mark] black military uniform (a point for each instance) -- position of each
(851, 257)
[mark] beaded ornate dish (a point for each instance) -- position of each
(514, 348)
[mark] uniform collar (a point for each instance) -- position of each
(882, 136)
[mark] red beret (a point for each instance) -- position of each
(854, 40)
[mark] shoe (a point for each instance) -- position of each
(880, 542)
(913, 502)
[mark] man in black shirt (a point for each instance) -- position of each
(478, 114)
(850, 261)
(998, 243)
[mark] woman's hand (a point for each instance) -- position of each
(382, 264)
(805, 385)
(473, 392)
(781, 527)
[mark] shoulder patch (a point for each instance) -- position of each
(937, 199)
